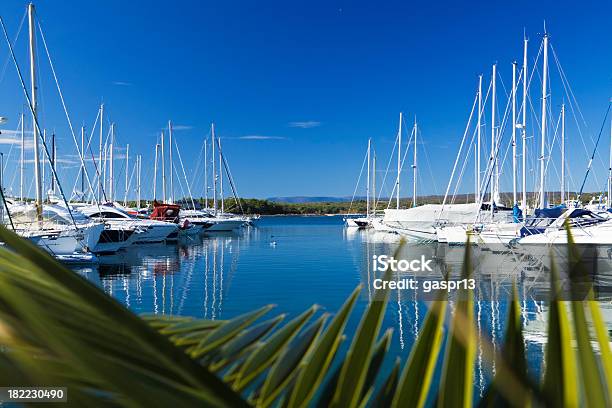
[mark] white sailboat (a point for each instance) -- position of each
(368, 220)
(57, 231)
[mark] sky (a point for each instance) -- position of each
(295, 89)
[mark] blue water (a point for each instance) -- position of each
(294, 262)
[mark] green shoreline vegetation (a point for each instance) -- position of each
(268, 207)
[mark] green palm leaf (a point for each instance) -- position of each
(456, 387)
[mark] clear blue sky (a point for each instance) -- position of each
(296, 88)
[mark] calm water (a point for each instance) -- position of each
(293, 262)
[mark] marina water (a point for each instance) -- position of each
(294, 262)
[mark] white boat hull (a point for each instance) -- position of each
(225, 225)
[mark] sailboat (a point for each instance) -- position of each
(368, 220)
(216, 219)
(60, 232)
(417, 223)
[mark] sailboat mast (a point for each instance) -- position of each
(214, 170)
(524, 128)
(414, 167)
(205, 175)
(479, 138)
(543, 121)
(374, 184)
(100, 189)
(494, 190)
(155, 171)
(170, 142)
(563, 153)
(32, 32)
(83, 162)
(163, 168)
(514, 133)
(52, 164)
(609, 203)
(22, 161)
(399, 163)
(368, 181)
(104, 180)
(138, 172)
(111, 168)
(127, 164)
(221, 177)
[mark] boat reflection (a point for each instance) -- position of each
(495, 271)
(186, 278)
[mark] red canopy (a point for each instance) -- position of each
(165, 212)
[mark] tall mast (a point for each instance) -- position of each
(399, 164)
(52, 164)
(524, 127)
(155, 171)
(563, 153)
(514, 133)
(221, 177)
(34, 107)
(214, 170)
(100, 189)
(543, 141)
(368, 181)
(22, 161)
(43, 164)
(138, 171)
(414, 167)
(83, 162)
(374, 184)
(170, 142)
(111, 168)
(205, 176)
(478, 140)
(163, 168)
(127, 164)
(104, 180)
(609, 203)
(494, 190)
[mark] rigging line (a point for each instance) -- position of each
(229, 176)
(44, 145)
(382, 185)
(502, 127)
(401, 164)
(426, 153)
(464, 166)
(9, 154)
(572, 100)
(99, 169)
(198, 162)
(61, 95)
(8, 213)
(76, 180)
(132, 173)
(552, 144)
(595, 149)
(365, 157)
(564, 77)
(178, 152)
(483, 124)
(458, 155)
(8, 57)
